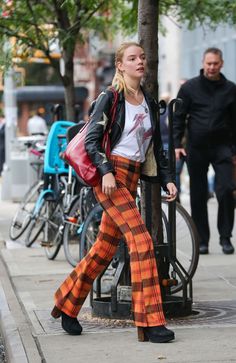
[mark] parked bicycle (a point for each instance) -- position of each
(57, 191)
(63, 203)
(73, 215)
(23, 215)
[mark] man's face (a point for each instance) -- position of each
(212, 64)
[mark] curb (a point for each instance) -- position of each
(15, 352)
(19, 342)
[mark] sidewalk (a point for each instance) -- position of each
(28, 282)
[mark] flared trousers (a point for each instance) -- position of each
(120, 218)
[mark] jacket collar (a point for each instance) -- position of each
(212, 82)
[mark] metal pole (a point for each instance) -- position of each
(171, 156)
(10, 110)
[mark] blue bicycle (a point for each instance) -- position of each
(63, 204)
(56, 194)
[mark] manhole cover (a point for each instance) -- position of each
(210, 313)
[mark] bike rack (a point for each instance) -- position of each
(110, 306)
(175, 305)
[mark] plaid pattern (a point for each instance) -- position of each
(121, 217)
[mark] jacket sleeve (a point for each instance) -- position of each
(97, 125)
(179, 122)
(233, 122)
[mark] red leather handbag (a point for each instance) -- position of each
(76, 155)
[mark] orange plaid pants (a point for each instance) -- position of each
(121, 217)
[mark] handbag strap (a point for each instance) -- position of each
(113, 108)
(105, 142)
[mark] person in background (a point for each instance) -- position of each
(179, 163)
(36, 124)
(209, 101)
(135, 145)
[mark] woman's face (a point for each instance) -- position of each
(133, 63)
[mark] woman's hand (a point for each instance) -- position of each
(172, 192)
(108, 184)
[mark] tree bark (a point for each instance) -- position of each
(69, 90)
(148, 38)
(68, 82)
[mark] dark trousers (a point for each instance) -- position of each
(198, 159)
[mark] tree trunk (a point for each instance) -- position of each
(151, 193)
(148, 38)
(68, 82)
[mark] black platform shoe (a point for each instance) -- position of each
(155, 334)
(70, 325)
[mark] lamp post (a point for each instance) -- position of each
(10, 110)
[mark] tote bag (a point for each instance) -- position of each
(76, 155)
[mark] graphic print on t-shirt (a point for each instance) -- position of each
(142, 135)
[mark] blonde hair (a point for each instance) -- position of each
(118, 81)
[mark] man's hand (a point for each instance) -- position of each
(108, 184)
(180, 152)
(172, 192)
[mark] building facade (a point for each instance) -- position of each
(181, 50)
(194, 43)
(169, 59)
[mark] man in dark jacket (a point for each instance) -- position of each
(209, 106)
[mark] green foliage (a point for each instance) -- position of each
(203, 12)
(127, 19)
(191, 12)
(36, 24)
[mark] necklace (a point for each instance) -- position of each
(144, 106)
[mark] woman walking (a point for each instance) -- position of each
(136, 152)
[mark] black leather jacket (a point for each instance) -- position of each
(97, 125)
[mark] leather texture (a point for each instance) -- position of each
(155, 169)
(77, 156)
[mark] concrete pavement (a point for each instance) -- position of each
(28, 282)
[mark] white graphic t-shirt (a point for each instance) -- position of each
(137, 133)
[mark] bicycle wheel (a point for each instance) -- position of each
(72, 233)
(53, 229)
(88, 237)
(36, 224)
(90, 229)
(23, 216)
(187, 243)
